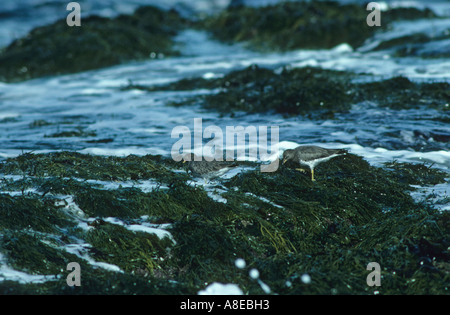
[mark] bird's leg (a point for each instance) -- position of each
(301, 170)
(312, 175)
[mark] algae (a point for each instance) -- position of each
(100, 42)
(292, 25)
(313, 92)
(317, 92)
(149, 32)
(305, 24)
(400, 93)
(416, 174)
(280, 223)
(28, 212)
(27, 252)
(72, 164)
(138, 253)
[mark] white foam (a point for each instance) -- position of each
(381, 155)
(81, 250)
(240, 263)
(254, 273)
(146, 227)
(6, 115)
(438, 195)
(123, 151)
(217, 288)
(70, 206)
(306, 278)
(8, 273)
(342, 48)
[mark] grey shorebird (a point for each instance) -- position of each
(208, 169)
(310, 155)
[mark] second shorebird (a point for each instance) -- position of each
(209, 169)
(311, 155)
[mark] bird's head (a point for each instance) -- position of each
(287, 155)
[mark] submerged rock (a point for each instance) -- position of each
(418, 45)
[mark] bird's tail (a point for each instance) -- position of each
(229, 164)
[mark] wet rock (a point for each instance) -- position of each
(405, 41)
(99, 42)
(281, 223)
(401, 93)
(148, 33)
(312, 91)
(436, 48)
(295, 25)
(292, 25)
(79, 132)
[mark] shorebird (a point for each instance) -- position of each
(310, 155)
(208, 169)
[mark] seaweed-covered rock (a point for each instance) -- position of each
(294, 91)
(98, 42)
(304, 24)
(416, 174)
(280, 223)
(313, 91)
(400, 93)
(148, 33)
(72, 164)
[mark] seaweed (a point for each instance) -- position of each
(149, 33)
(305, 24)
(138, 253)
(100, 42)
(292, 25)
(308, 91)
(313, 92)
(280, 223)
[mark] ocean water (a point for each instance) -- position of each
(137, 122)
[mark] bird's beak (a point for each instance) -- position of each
(284, 161)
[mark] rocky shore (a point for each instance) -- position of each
(149, 33)
(143, 225)
(280, 223)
